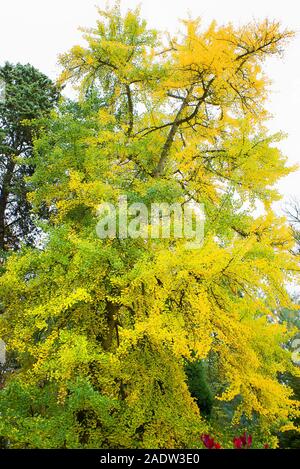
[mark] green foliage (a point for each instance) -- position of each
(109, 336)
(199, 386)
(29, 95)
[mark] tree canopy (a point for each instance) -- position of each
(100, 330)
(28, 96)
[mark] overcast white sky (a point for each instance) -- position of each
(36, 31)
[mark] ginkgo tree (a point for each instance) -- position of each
(99, 331)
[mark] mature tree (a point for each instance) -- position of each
(102, 329)
(28, 94)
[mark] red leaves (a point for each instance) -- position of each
(209, 442)
(243, 441)
(239, 442)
